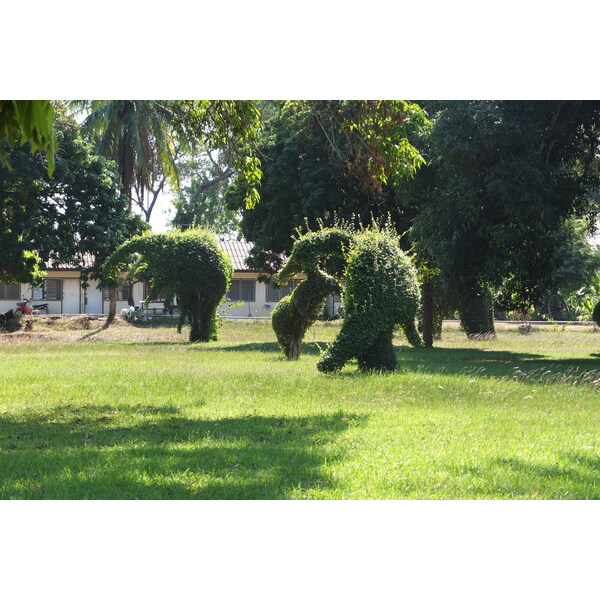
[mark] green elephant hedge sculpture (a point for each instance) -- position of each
(294, 314)
(188, 265)
(380, 293)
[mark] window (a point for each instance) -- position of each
(275, 294)
(10, 291)
(242, 289)
(122, 291)
(51, 290)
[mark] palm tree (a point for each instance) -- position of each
(145, 137)
(139, 135)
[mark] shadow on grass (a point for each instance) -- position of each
(308, 348)
(500, 364)
(96, 452)
(471, 362)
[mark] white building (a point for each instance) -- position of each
(63, 291)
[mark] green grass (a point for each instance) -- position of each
(139, 413)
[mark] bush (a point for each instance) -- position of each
(189, 266)
(294, 314)
(381, 292)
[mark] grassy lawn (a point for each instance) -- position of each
(139, 413)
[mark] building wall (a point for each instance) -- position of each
(76, 300)
(68, 302)
(92, 299)
(257, 308)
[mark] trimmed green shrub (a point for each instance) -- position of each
(294, 314)
(187, 265)
(381, 292)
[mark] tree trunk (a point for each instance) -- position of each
(112, 307)
(428, 317)
(130, 299)
(295, 348)
(477, 312)
(196, 333)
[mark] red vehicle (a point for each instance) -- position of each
(36, 309)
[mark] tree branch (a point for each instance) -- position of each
(208, 184)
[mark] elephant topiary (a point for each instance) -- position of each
(189, 266)
(294, 314)
(381, 292)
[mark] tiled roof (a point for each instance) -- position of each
(238, 252)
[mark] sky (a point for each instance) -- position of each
(160, 214)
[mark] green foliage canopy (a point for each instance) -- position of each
(201, 203)
(231, 125)
(28, 121)
(322, 159)
(76, 214)
(501, 181)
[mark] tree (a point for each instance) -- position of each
(76, 214)
(146, 138)
(228, 126)
(577, 262)
(139, 135)
(576, 274)
(502, 179)
(201, 202)
(28, 121)
(323, 160)
(189, 266)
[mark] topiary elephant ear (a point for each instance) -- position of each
(381, 292)
(188, 265)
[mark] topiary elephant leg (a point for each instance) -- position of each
(350, 343)
(294, 349)
(409, 329)
(381, 356)
(197, 332)
(202, 317)
(283, 325)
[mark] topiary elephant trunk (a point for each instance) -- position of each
(294, 314)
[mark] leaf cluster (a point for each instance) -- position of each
(229, 125)
(323, 160)
(28, 121)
